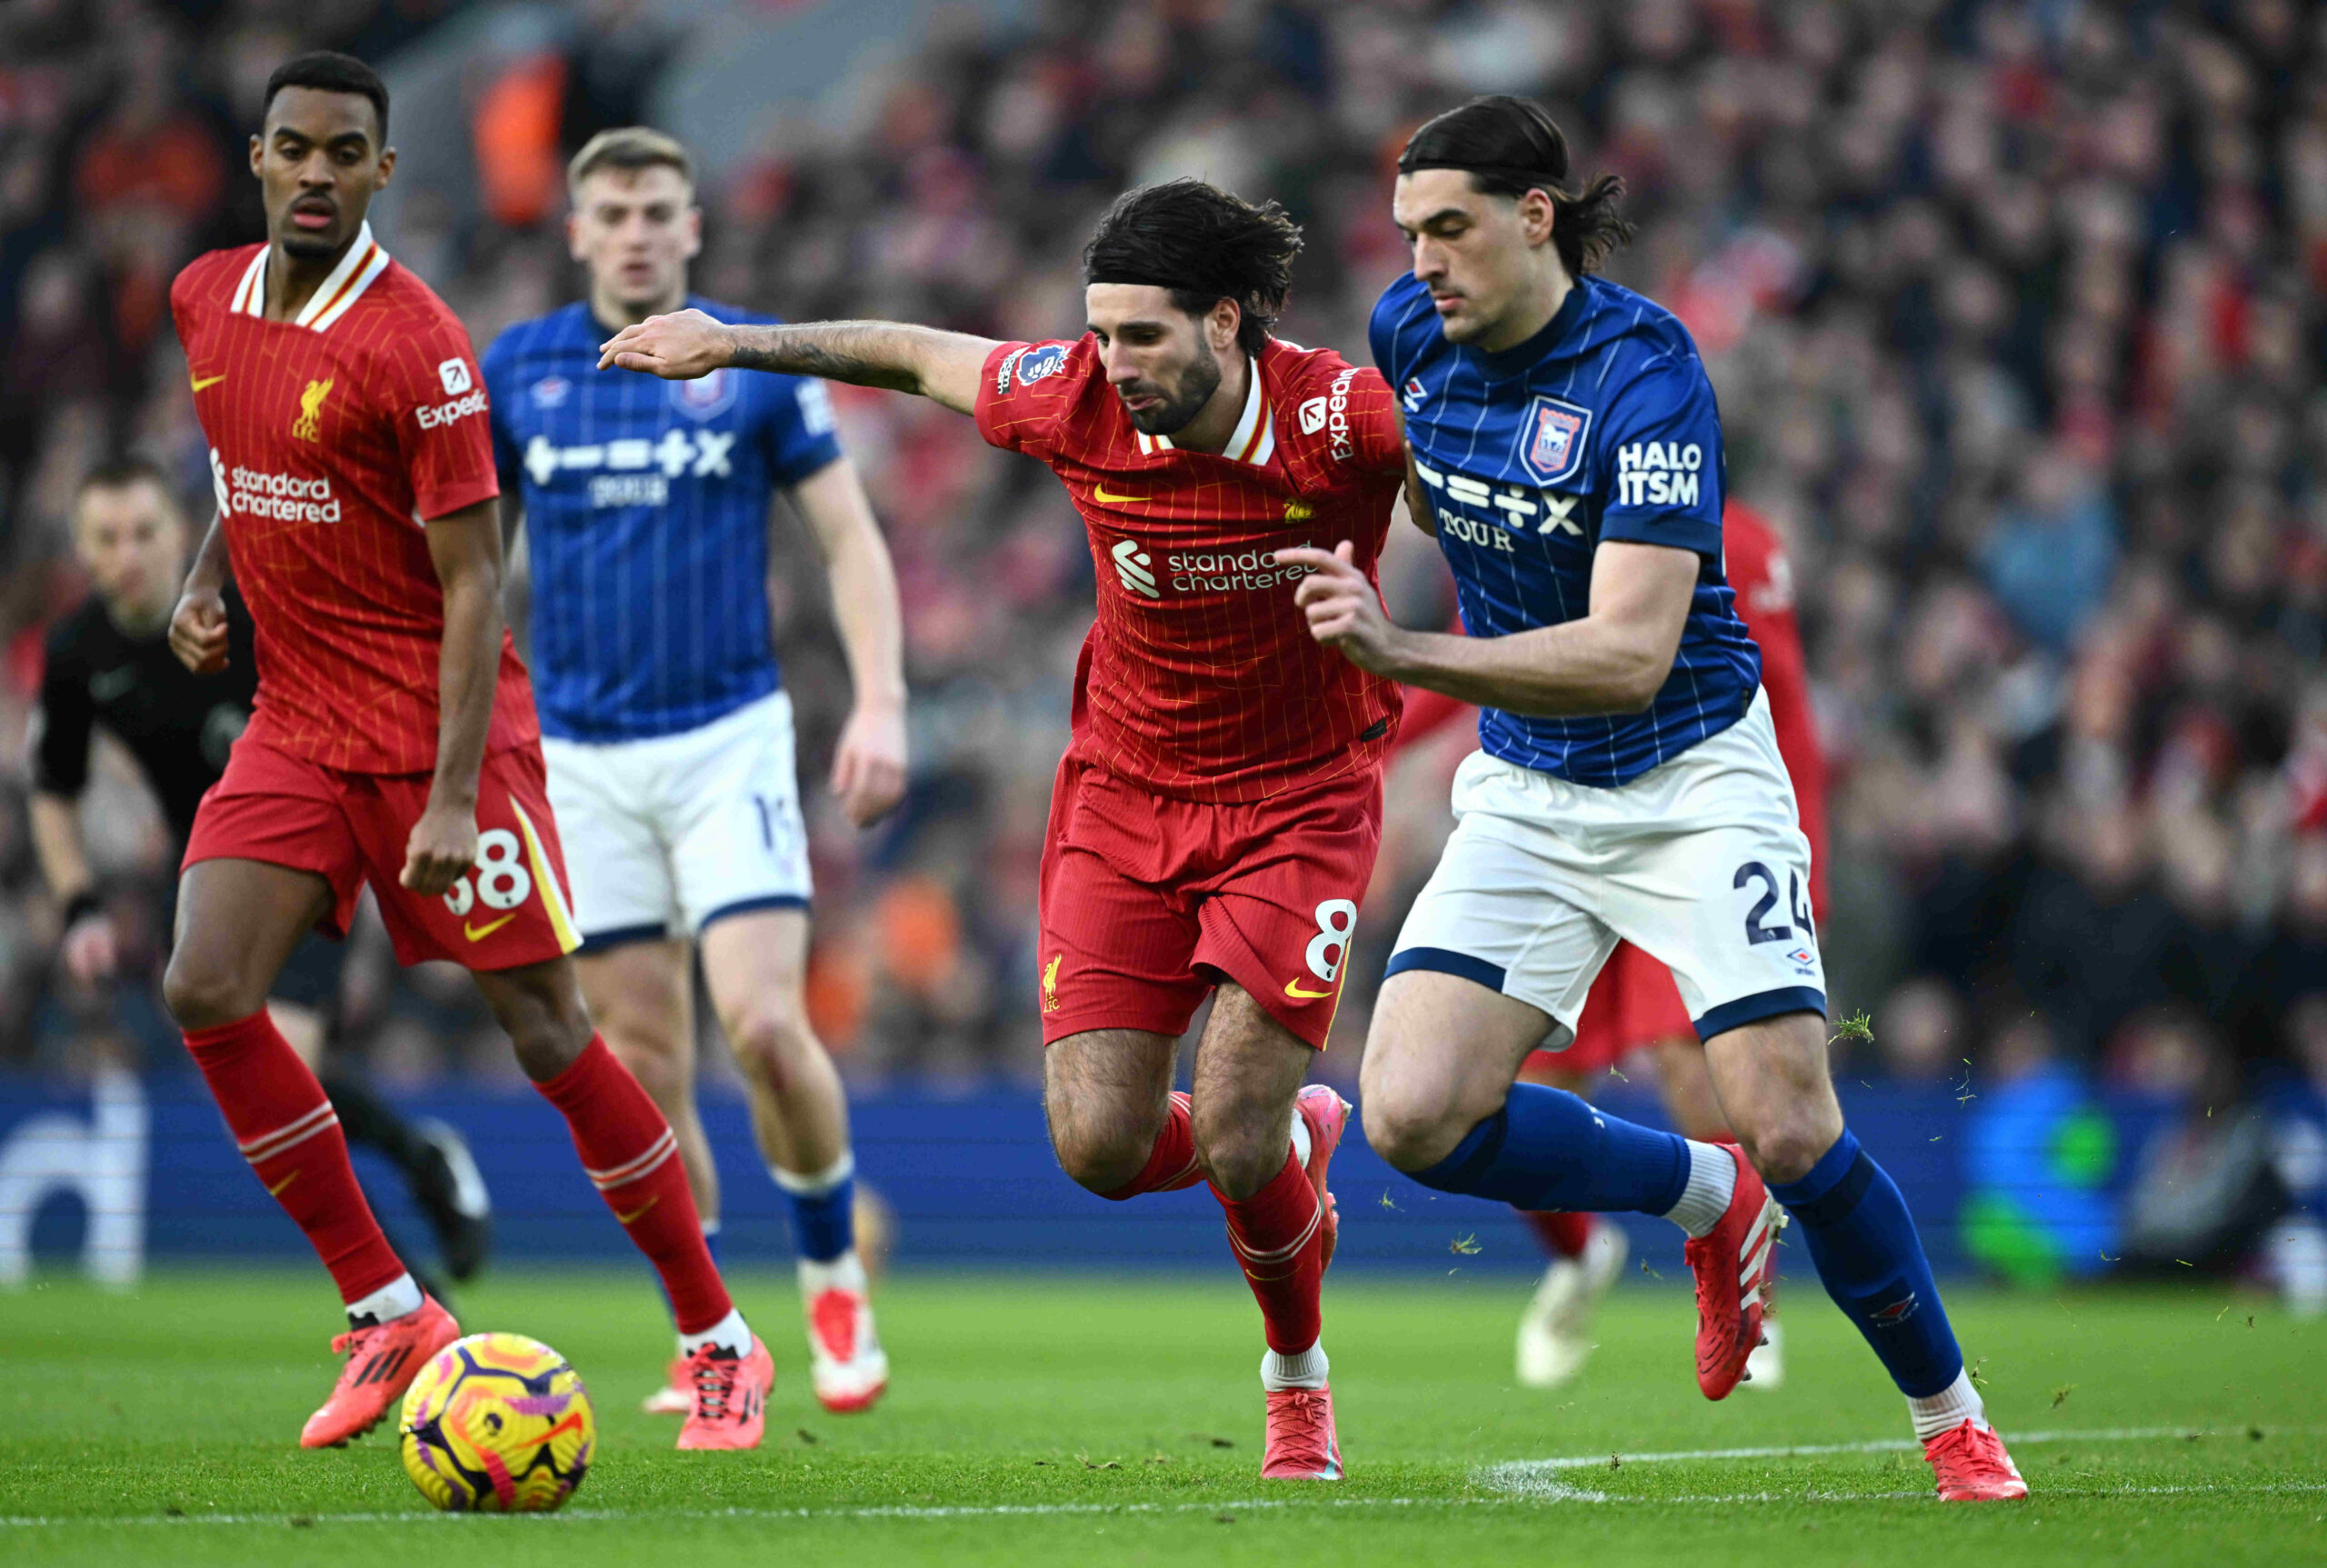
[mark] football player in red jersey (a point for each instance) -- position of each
(1634, 1004)
(392, 742)
(1215, 818)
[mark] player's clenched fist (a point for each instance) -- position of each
(869, 764)
(676, 347)
(442, 846)
(1344, 612)
(198, 630)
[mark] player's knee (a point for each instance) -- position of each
(1785, 1149)
(1241, 1148)
(774, 1042)
(656, 1065)
(1411, 1127)
(202, 995)
(1100, 1156)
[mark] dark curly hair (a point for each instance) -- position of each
(328, 71)
(1205, 245)
(1510, 147)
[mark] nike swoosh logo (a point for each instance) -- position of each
(202, 381)
(1099, 493)
(276, 1191)
(1292, 988)
(478, 934)
(625, 1219)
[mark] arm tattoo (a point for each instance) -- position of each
(864, 353)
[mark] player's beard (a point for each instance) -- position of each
(1197, 383)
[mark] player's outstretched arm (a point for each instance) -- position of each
(1612, 661)
(465, 547)
(869, 762)
(943, 366)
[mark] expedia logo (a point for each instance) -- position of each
(282, 497)
(434, 415)
(1330, 413)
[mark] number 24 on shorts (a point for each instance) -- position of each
(501, 880)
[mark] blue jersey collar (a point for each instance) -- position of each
(1525, 356)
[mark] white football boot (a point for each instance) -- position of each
(847, 1367)
(1555, 1331)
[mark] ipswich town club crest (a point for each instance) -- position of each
(1551, 443)
(704, 396)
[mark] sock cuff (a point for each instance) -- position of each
(197, 1041)
(1475, 1153)
(816, 1183)
(1836, 1169)
(595, 1059)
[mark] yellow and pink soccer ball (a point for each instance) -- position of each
(498, 1423)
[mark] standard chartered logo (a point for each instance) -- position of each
(1131, 565)
(282, 497)
(1201, 570)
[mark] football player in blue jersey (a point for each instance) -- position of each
(666, 731)
(1567, 455)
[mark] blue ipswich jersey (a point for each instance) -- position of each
(646, 515)
(1601, 427)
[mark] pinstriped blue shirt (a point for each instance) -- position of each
(1601, 427)
(646, 506)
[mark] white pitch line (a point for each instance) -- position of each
(1532, 1478)
(1520, 1480)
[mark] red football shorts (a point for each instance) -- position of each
(349, 829)
(1632, 1002)
(1148, 902)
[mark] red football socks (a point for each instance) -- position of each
(1172, 1163)
(629, 1153)
(1278, 1235)
(1563, 1236)
(288, 1132)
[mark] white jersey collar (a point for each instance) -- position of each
(365, 261)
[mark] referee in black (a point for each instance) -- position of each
(109, 664)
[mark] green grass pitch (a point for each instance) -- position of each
(1043, 1420)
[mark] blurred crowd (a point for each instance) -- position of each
(2011, 306)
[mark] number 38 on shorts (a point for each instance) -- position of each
(500, 879)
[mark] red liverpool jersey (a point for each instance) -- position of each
(332, 439)
(1762, 579)
(1200, 679)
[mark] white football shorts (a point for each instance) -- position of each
(1700, 862)
(663, 837)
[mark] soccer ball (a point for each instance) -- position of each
(499, 1422)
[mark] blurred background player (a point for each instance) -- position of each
(668, 735)
(357, 514)
(1628, 785)
(1633, 1006)
(1215, 818)
(108, 665)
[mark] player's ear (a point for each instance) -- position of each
(1538, 215)
(258, 150)
(695, 231)
(388, 168)
(1220, 323)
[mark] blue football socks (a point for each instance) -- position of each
(1864, 1244)
(1548, 1149)
(823, 1208)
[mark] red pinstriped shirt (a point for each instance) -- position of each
(332, 439)
(1200, 679)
